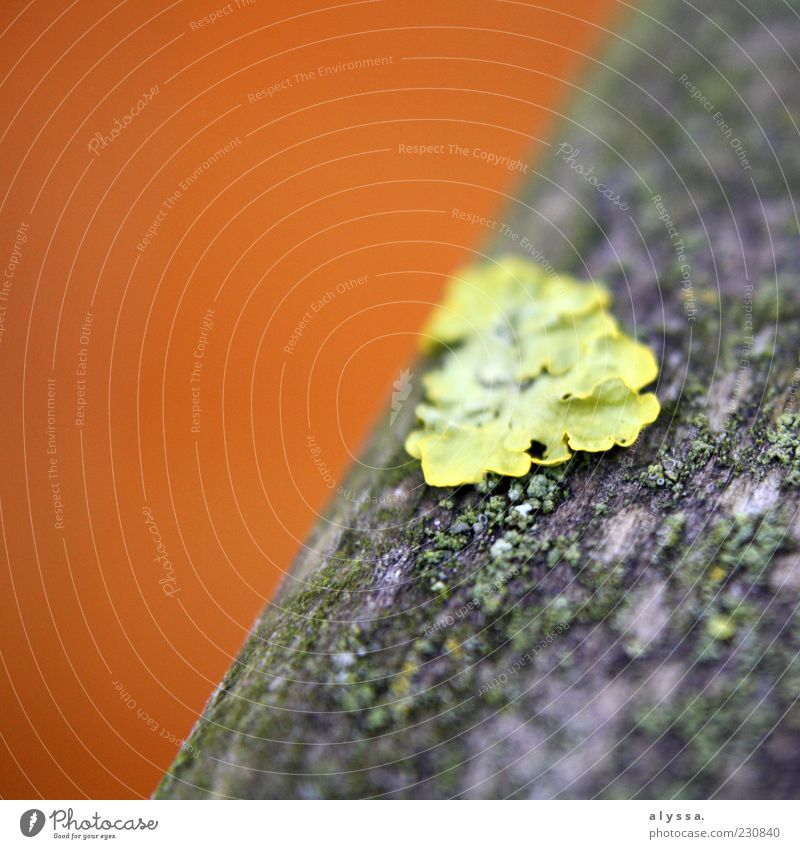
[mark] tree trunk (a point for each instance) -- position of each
(635, 632)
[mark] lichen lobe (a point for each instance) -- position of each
(534, 369)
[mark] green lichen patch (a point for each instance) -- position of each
(783, 447)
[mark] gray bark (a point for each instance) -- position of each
(636, 634)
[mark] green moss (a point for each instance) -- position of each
(563, 549)
(721, 627)
(606, 588)
(784, 447)
(545, 490)
(672, 532)
(714, 727)
(751, 542)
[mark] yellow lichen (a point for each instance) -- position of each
(535, 368)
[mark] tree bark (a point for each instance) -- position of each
(635, 632)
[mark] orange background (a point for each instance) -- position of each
(108, 653)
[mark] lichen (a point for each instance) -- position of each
(540, 370)
(784, 447)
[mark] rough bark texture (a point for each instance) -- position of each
(635, 634)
